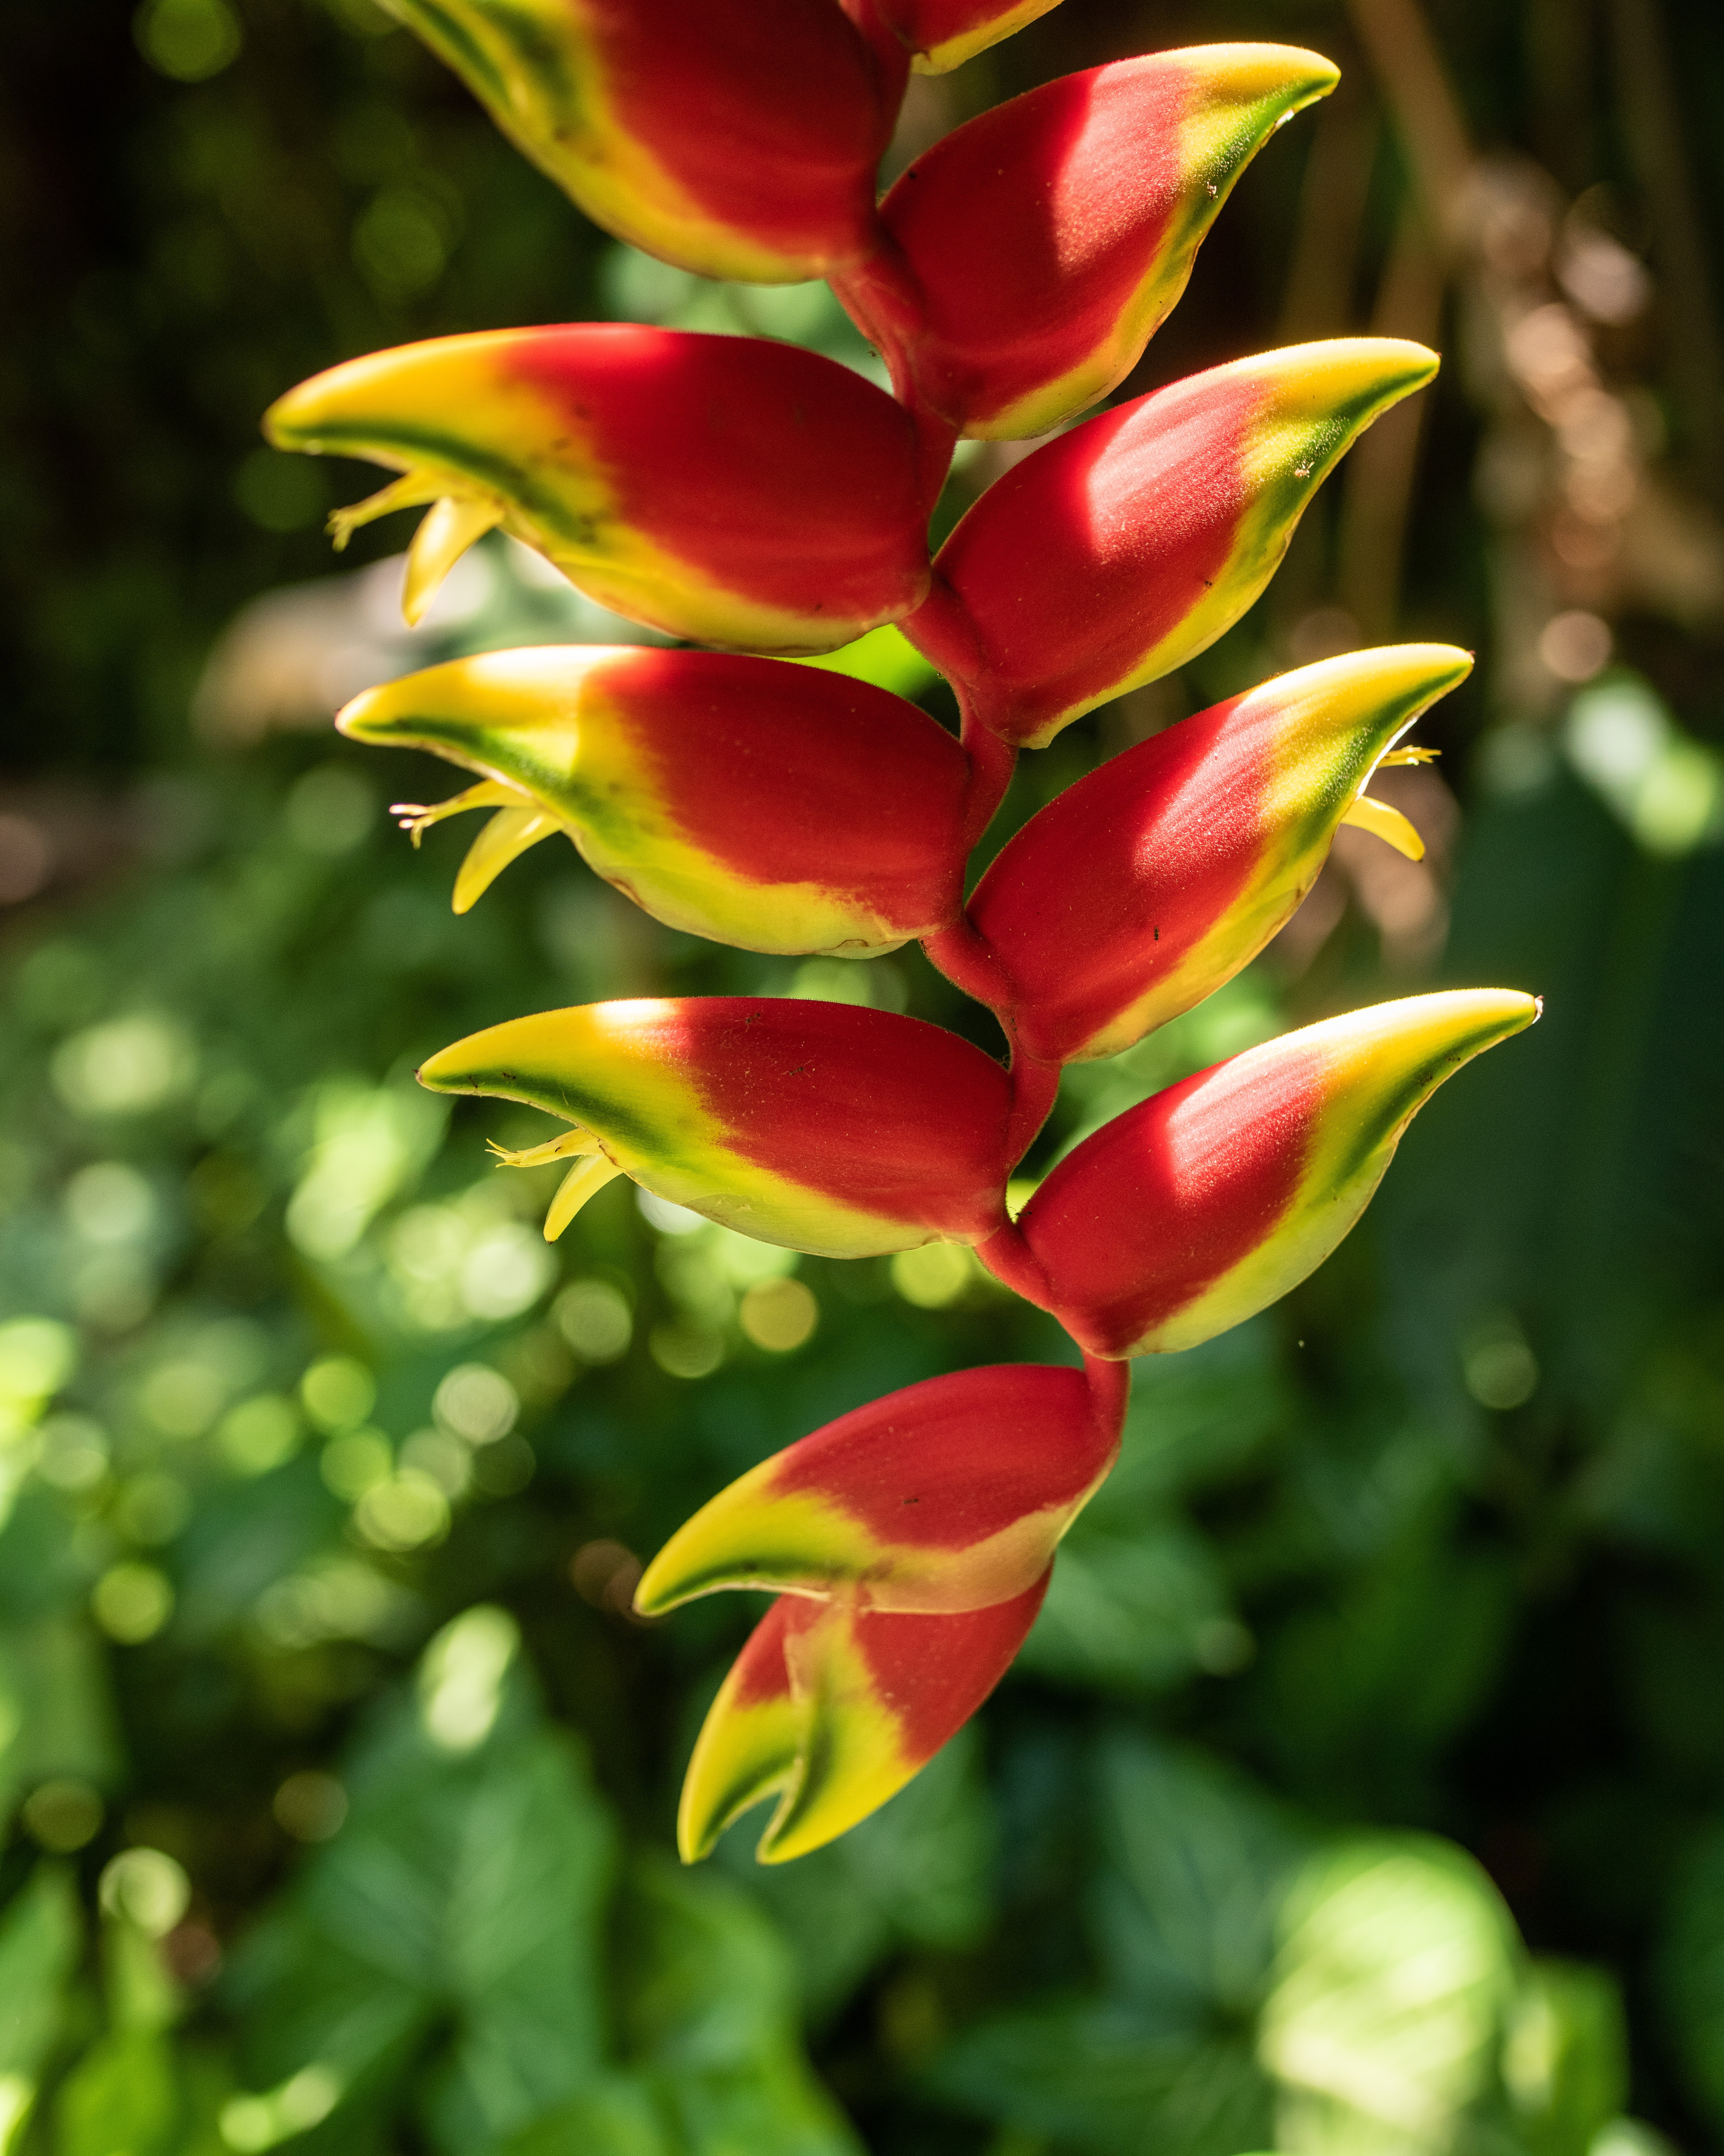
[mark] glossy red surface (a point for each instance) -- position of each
(885, 1114)
(790, 775)
(1075, 565)
(1165, 1199)
(1030, 228)
(933, 1672)
(771, 114)
(760, 1675)
(780, 474)
(1107, 889)
(947, 1463)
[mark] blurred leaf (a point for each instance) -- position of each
(1196, 1864)
(468, 1880)
(1128, 1605)
(1564, 2059)
(120, 2099)
(40, 1934)
(708, 2017)
(1397, 1966)
(1692, 1965)
(1106, 2076)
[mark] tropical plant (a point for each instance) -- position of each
(745, 494)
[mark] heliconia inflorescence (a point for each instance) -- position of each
(751, 496)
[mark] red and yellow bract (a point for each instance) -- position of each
(944, 33)
(739, 138)
(832, 1709)
(1147, 886)
(1115, 554)
(949, 1496)
(1194, 1211)
(723, 488)
(829, 1128)
(779, 807)
(1035, 251)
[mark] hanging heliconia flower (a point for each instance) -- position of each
(748, 495)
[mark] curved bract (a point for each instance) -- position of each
(1045, 242)
(832, 1709)
(1147, 886)
(1194, 1211)
(828, 1128)
(1126, 546)
(739, 138)
(949, 1496)
(715, 487)
(779, 807)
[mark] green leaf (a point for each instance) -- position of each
(884, 656)
(1130, 1607)
(1692, 1965)
(1565, 2061)
(40, 1934)
(709, 2020)
(467, 1885)
(1104, 2075)
(121, 2099)
(615, 2116)
(1196, 1865)
(1397, 1967)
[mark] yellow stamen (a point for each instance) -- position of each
(455, 523)
(568, 1144)
(415, 818)
(1387, 824)
(410, 491)
(582, 1181)
(1409, 756)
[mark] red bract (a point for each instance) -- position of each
(1039, 246)
(781, 807)
(833, 1710)
(828, 1128)
(1190, 1213)
(1126, 547)
(1147, 886)
(951, 1494)
(739, 138)
(717, 487)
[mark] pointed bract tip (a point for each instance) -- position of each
(1363, 366)
(1292, 76)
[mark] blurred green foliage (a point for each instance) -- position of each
(1361, 1787)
